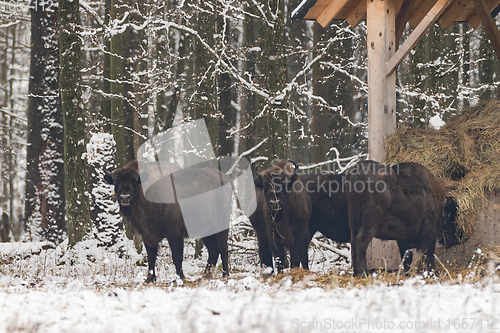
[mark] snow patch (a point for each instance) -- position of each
(436, 122)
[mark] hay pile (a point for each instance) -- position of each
(464, 155)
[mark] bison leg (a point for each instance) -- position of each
(428, 237)
(295, 256)
(152, 252)
(221, 238)
(177, 248)
(359, 246)
(304, 258)
(428, 247)
(265, 253)
(217, 244)
(278, 252)
(364, 223)
(213, 252)
(299, 253)
(406, 254)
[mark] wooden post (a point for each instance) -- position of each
(381, 23)
(381, 39)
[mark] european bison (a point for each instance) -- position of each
(156, 220)
(282, 215)
(403, 203)
(329, 213)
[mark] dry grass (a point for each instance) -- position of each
(485, 263)
(464, 155)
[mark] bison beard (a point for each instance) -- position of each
(403, 203)
(282, 216)
(156, 221)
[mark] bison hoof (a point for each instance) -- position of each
(150, 278)
(209, 270)
(361, 274)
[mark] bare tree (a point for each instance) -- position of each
(45, 194)
(76, 188)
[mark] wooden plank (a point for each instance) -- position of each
(421, 12)
(313, 13)
(415, 36)
(315, 10)
(357, 14)
(489, 25)
(404, 15)
(466, 14)
(470, 12)
(330, 12)
(474, 20)
(456, 9)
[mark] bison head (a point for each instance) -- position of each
(127, 185)
(277, 182)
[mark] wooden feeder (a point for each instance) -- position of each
(386, 21)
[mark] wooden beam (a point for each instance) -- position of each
(456, 9)
(404, 15)
(357, 14)
(489, 25)
(330, 12)
(415, 36)
(381, 35)
(474, 20)
(421, 12)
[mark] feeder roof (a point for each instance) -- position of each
(353, 11)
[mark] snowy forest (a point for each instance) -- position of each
(84, 83)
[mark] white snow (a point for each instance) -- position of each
(298, 8)
(436, 122)
(89, 289)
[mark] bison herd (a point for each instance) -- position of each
(403, 202)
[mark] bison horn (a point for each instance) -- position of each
(106, 171)
(258, 179)
(296, 166)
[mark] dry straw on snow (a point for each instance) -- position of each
(464, 155)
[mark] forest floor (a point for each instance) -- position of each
(91, 289)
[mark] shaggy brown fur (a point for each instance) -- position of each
(156, 221)
(403, 203)
(284, 211)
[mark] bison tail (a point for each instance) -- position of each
(355, 217)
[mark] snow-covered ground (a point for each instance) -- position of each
(88, 289)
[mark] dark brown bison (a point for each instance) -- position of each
(282, 216)
(156, 220)
(329, 213)
(403, 203)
